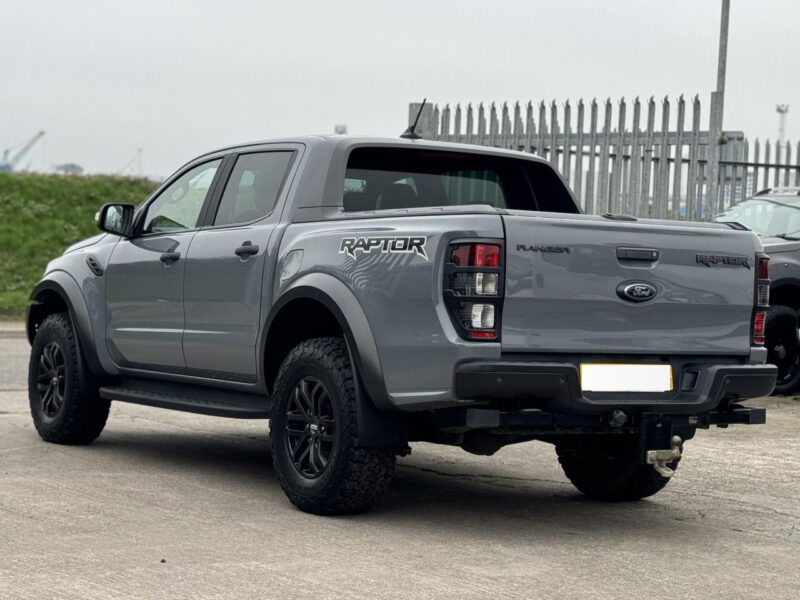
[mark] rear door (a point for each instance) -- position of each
(226, 264)
(144, 278)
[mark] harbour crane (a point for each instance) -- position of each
(8, 163)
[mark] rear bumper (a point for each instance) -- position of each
(556, 386)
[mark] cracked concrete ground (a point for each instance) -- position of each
(167, 504)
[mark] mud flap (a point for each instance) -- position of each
(378, 429)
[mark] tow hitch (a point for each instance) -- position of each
(661, 458)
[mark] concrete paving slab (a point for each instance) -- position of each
(167, 504)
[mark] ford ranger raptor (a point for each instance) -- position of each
(363, 294)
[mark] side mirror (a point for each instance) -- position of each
(116, 219)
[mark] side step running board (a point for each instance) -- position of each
(190, 398)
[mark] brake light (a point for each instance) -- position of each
(761, 300)
(473, 289)
(475, 255)
(763, 267)
(759, 320)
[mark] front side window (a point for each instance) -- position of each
(178, 207)
(253, 187)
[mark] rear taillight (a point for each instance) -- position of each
(758, 327)
(761, 300)
(473, 289)
(763, 267)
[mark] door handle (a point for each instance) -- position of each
(170, 257)
(645, 254)
(246, 249)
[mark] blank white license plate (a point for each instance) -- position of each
(605, 377)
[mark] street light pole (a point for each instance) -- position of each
(715, 140)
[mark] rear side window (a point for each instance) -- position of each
(396, 178)
(253, 187)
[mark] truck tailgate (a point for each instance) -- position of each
(566, 277)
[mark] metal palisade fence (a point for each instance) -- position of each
(643, 160)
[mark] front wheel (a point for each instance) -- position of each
(783, 347)
(63, 412)
(606, 468)
(314, 433)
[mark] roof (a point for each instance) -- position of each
(780, 191)
(349, 141)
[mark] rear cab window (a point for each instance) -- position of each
(402, 178)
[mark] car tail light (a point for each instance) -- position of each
(759, 320)
(475, 255)
(763, 267)
(473, 289)
(761, 300)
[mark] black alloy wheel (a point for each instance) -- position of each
(51, 379)
(310, 427)
(783, 353)
(783, 347)
(315, 436)
(63, 394)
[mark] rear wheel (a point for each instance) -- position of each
(314, 433)
(783, 347)
(63, 412)
(606, 468)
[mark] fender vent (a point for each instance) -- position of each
(94, 266)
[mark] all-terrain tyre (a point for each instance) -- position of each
(605, 468)
(783, 347)
(314, 433)
(63, 410)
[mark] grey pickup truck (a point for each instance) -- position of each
(363, 294)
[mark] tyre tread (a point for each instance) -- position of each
(84, 416)
(361, 474)
(620, 479)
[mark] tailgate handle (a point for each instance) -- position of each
(648, 254)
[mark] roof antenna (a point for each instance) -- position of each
(410, 133)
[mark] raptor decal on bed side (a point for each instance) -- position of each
(385, 245)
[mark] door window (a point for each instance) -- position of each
(178, 207)
(253, 187)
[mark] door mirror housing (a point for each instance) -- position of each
(116, 219)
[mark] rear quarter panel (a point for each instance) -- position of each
(399, 293)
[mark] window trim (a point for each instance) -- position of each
(213, 208)
(141, 215)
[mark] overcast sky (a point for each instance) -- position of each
(178, 78)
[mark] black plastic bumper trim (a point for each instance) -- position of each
(558, 386)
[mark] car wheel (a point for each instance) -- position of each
(783, 347)
(314, 433)
(606, 468)
(63, 412)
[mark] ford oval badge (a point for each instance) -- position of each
(636, 291)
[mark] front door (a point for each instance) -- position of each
(144, 278)
(226, 266)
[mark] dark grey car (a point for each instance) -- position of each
(367, 293)
(774, 214)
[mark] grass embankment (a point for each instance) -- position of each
(40, 215)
